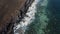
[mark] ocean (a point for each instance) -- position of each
(47, 18)
(39, 24)
(43, 18)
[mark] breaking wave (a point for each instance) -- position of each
(38, 26)
(30, 16)
(36, 19)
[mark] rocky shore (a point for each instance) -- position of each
(11, 12)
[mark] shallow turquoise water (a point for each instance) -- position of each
(47, 18)
(38, 26)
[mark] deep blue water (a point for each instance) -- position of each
(54, 7)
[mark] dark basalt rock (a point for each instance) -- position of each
(9, 10)
(24, 9)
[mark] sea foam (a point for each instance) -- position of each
(30, 16)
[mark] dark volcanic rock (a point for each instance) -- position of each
(8, 13)
(9, 10)
(24, 9)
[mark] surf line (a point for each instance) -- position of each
(30, 16)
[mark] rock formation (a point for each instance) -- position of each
(10, 12)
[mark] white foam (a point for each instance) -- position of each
(27, 20)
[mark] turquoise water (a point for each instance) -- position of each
(47, 18)
(38, 26)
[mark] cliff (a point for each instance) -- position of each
(10, 12)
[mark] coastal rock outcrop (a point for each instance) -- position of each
(10, 14)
